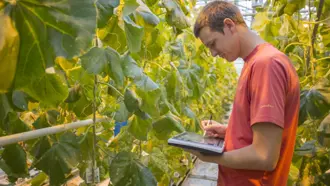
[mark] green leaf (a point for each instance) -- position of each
(39, 179)
(131, 68)
(107, 60)
(20, 100)
(123, 141)
(74, 94)
(175, 16)
(193, 79)
(293, 174)
(126, 170)
(173, 85)
(5, 108)
(150, 101)
(158, 163)
(165, 125)
(15, 157)
(83, 107)
(129, 7)
(312, 104)
(16, 125)
(48, 84)
(145, 83)
(139, 127)
(131, 101)
(80, 76)
(86, 142)
(116, 71)
(122, 114)
(113, 35)
(105, 11)
(134, 35)
(151, 2)
(95, 61)
(41, 147)
(147, 15)
(60, 159)
(324, 132)
(50, 29)
(9, 48)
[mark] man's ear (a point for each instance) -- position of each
(230, 25)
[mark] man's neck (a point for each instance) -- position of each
(248, 42)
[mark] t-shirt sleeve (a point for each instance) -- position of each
(268, 87)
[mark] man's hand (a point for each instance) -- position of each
(262, 154)
(214, 129)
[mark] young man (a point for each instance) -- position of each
(261, 132)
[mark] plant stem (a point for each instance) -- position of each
(114, 88)
(311, 52)
(94, 123)
(94, 131)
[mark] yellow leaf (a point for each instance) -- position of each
(9, 48)
(260, 21)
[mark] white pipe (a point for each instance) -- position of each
(10, 139)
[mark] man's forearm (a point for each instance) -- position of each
(244, 158)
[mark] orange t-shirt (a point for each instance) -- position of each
(267, 91)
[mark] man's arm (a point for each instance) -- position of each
(262, 154)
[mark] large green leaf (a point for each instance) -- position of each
(105, 11)
(139, 127)
(48, 84)
(150, 101)
(145, 83)
(106, 60)
(113, 35)
(175, 16)
(9, 48)
(165, 125)
(147, 15)
(116, 71)
(15, 124)
(126, 170)
(131, 68)
(312, 104)
(95, 61)
(83, 107)
(194, 82)
(122, 114)
(5, 108)
(131, 101)
(48, 29)
(41, 147)
(129, 7)
(15, 158)
(134, 35)
(60, 159)
(20, 100)
(158, 163)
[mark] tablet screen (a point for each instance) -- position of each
(198, 139)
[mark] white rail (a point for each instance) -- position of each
(14, 138)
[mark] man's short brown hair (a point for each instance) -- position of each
(213, 15)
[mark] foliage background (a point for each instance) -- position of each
(126, 60)
(300, 28)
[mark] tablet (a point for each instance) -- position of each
(206, 145)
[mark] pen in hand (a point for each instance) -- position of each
(208, 123)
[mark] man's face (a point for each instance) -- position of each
(223, 45)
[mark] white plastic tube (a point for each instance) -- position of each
(10, 139)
